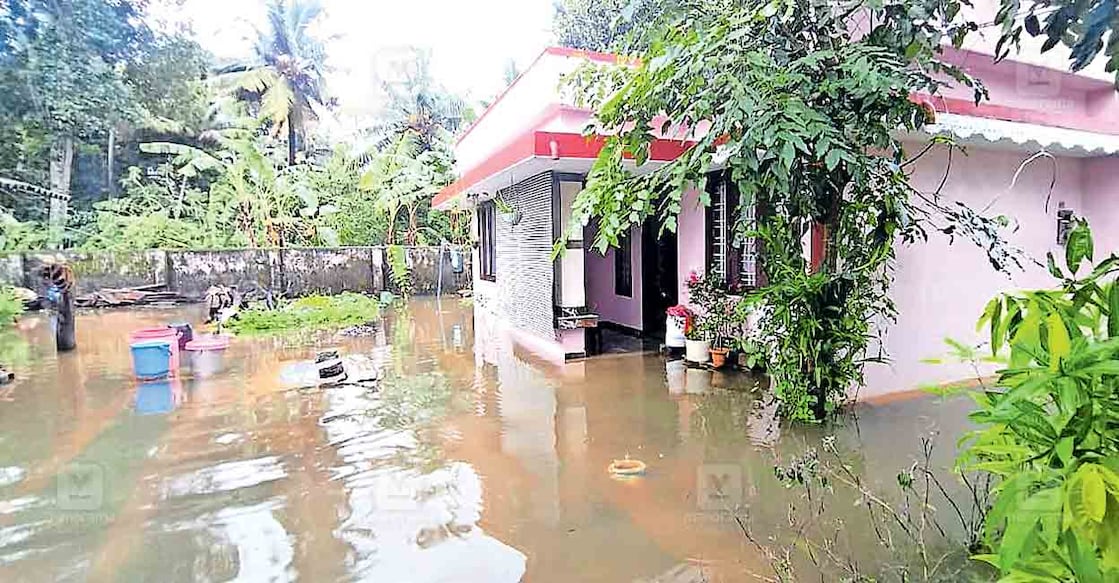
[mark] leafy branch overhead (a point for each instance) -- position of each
(1086, 28)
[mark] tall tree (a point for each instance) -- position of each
(418, 105)
(64, 80)
(606, 25)
(286, 79)
(84, 73)
(801, 110)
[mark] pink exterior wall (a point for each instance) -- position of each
(1101, 203)
(692, 242)
(601, 298)
(1013, 84)
(941, 288)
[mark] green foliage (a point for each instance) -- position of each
(241, 193)
(1087, 28)
(308, 313)
(157, 212)
(417, 105)
(1048, 428)
(11, 306)
(401, 180)
(74, 72)
(720, 318)
(400, 272)
(64, 71)
(605, 25)
(286, 78)
(802, 112)
(16, 235)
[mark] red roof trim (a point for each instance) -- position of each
(596, 56)
(521, 148)
(537, 144)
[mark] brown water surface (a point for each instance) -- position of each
(470, 462)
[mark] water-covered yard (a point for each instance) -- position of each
(468, 461)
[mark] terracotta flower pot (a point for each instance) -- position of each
(719, 357)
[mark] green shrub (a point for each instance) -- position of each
(309, 313)
(1049, 429)
(11, 306)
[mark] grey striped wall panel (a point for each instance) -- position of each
(524, 257)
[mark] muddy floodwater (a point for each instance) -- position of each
(469, 461)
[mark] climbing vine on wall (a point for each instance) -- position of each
(400, 272)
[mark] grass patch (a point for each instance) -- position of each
(308, 313)
(11, 306)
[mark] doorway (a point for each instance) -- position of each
(659, 287)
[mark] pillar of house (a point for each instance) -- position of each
(573, 315)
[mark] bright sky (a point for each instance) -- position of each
(470, 40)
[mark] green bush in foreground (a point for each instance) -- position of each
(308, 313)
(1048, 428)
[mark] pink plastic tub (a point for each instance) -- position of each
(170, 335)
(207, 355)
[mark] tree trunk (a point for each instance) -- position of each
(65, 339)
(61, 168)
(110, 159)
(291, 140)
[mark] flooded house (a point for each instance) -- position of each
(1041, 150)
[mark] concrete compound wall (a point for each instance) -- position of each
(294, 271)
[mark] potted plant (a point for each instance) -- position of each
(719, 355)
(751, 355)
(721, 323)
(506, 211)
(678, 319)
(697, 343)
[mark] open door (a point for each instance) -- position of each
(659, 289)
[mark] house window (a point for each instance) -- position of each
(734, 262)
(487, 251)
(623, 267)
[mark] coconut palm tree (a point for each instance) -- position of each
(286, 79)
(418, 106)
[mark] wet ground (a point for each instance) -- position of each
(470, 462)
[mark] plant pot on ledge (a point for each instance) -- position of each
(719, 357)
(697, 351)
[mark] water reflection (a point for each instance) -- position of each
(470, 460)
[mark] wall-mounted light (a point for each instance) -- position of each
(1064, 223)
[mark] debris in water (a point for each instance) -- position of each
(133, 296)
(330, 367)
(367, 329)
(627, 467)
(359, 369)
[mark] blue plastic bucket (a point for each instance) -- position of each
(151, 359)
(155, 398)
